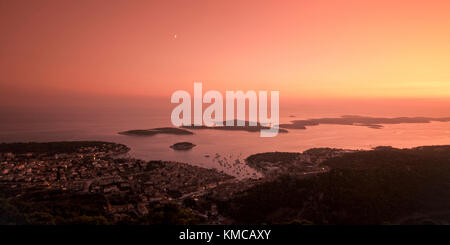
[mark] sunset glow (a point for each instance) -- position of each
(304, 49)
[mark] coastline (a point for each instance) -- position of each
(130, 186)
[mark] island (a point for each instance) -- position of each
(246, 127)
(182, 146)
(155, 131)
(352, 120)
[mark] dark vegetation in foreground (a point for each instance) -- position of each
(382, 186)
(62, 208)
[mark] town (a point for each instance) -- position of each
(130, 186)
(98, 169)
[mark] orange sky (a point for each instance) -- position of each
(304, 48)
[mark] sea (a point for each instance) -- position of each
(222, 150)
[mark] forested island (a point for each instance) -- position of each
(91, 183)
(155, 131)
(235, 127)
(354, 120)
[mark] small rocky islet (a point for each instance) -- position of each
(182, 146)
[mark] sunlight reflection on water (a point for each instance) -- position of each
(225, 150)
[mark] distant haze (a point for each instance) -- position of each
(72, 52)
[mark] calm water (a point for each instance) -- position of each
(223, 150)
